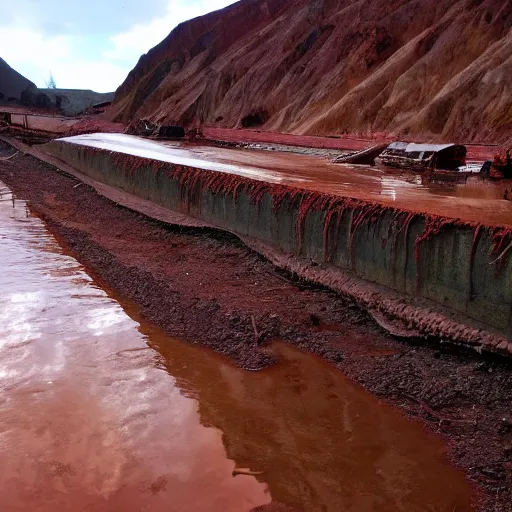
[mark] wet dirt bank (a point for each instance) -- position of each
(209, 289)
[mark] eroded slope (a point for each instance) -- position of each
(433, 68)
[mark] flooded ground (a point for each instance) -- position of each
(101, 412)
(89, 420)
(471, 199)
(340, 142)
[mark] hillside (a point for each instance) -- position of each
(12, 84)
(73, 101)
(15, 88)
(440, 69)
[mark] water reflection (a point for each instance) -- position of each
(87, 420)
(100, 412)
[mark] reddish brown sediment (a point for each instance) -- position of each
(475, 200)
(354, 142)
(94, 124)
(434, 69)
(424, 318)
(472, 395)
(366, 211)
(501, 238)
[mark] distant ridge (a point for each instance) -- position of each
(16, 89)
(12, 84)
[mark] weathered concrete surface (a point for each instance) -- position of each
(51, 124)
(469, 199)
(424, 271)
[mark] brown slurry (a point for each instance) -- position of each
(205, 287)
(436, 68)
(280, 174)
(231, 137)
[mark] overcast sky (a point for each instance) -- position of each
(88, 44)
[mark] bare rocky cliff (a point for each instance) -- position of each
(438, 69)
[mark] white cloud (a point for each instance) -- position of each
(35, 55)
(98, 75)
(91, 62)
(140, 38)
(23, 46)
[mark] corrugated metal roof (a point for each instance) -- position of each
(410, 147)
(427, 147)
(398, 145)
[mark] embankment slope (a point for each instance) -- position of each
(436, 69)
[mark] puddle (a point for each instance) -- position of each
(89, 420)
(101, 412)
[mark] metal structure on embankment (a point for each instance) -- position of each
(29, 121)
(415, 271)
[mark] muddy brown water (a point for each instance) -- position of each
(99, 411)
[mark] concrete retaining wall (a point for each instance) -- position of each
(51, 124)
(452, 267)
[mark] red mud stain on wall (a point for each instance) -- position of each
(222, 169)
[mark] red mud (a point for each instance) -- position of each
(435, 69)
(93, 124)
(354, 142)
(348, 142)
(193, 181)
(475, 201)
(88, 419)
(207, 288)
